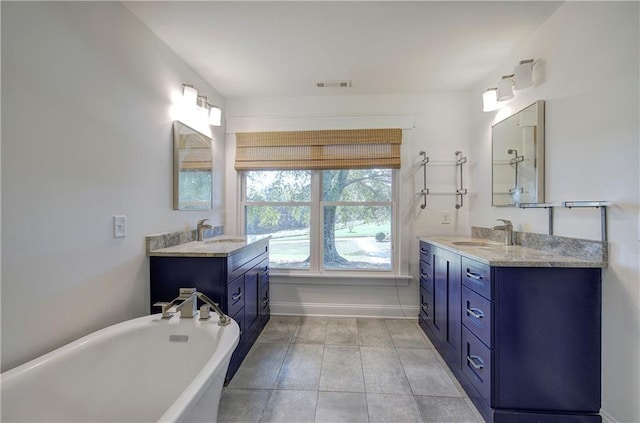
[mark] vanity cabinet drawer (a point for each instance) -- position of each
(235, 296)
(426, 306)
(476, 315)
(477, 276)
(425, 252)
(476, 364)
(426, 276)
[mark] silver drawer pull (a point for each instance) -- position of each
(423, 276)
(425, 307)
(472, 360)
(236, 296)
(474, 312)
(423, 250)
(472, 275)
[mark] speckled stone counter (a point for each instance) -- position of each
(496, 253)
(219, 246)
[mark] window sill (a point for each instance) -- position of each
(344, 279)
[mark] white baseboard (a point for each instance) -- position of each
(607, 418)
(351, 310)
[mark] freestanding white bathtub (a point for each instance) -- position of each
(142, 370)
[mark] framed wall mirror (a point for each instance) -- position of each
(192, 169)
(517, 144)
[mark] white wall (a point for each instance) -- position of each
(588, 74)
(441, 128)
(86, 134)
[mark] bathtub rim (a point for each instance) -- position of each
(192, 391)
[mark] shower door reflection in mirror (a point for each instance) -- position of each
(518, 157)
(192, 169)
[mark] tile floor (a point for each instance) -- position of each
(326, 369)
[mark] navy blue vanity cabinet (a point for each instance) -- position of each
(238, 282)
(530, 341)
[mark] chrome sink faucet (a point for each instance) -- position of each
(508, 230)
(200, 229)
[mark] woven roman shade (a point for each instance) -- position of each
(317, 150)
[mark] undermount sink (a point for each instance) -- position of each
(474, 244)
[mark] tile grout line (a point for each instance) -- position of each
(296, 328)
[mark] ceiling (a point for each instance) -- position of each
(280, 49)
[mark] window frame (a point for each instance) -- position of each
(316, 205)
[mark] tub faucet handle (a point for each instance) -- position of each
(223, 318)
(205, 312)
(167, 308)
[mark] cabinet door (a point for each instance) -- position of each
(448, 317)
(440, 282)
(251, 285)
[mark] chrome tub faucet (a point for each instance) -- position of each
(187, 300)
(508, 230)
(200, 229)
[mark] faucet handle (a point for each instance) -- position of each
(205, 312)
(167, 311)
(201, 221)
(505, 221)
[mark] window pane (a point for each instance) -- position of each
(279, 185)
(357, 237)
(357, 185)
(289, 229)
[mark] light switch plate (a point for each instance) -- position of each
(119, 226)
(446, 217)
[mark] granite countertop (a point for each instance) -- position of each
(497, 254)
(219, 246)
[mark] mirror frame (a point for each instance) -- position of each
(176, 166)
(539, 161)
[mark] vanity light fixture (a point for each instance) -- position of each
(490, 100)
(199, 107)
(523, 75)
(505, 88)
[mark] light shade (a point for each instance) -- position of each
(505, 88)
(522, 75)
(215, 116)
(490, 100)
(189, 94)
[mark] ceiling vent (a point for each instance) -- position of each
(333, 84)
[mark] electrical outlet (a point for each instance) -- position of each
(119, 226)
(445, 217)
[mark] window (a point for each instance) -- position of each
(323, 220)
